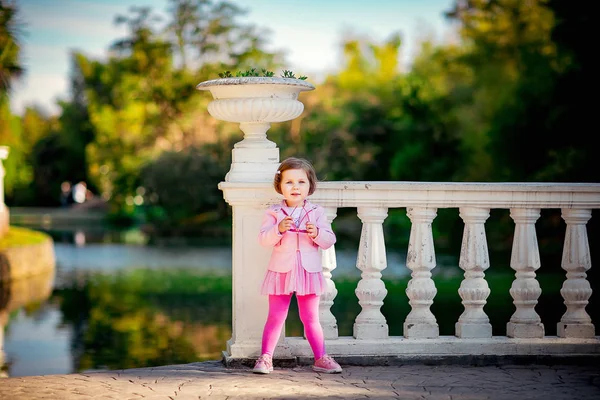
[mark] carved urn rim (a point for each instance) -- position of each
(301, 85)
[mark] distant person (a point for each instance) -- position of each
(80, 192)
(295, 229)
(65, 194)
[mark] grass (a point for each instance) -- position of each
(17, 237)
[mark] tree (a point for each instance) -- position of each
(205, 32)
(518, 97)
(10, 49)
(141, 103)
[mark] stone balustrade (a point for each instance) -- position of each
(473, 333)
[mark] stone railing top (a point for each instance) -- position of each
(430, 194)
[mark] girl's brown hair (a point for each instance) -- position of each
(296, 163)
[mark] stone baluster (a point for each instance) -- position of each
(420, 322)
(576, 290)
(525, 289)
(474, 260)
(328, 321)
(371, 260)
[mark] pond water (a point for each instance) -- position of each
(118, 302)
(113, 294)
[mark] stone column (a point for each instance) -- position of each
(474, 260)
(255, 158)
(4, 213)
(525, 289)
(576, 290)
(371, 260)
(249, 262)
(254, 103)
(420, 322)
(327, 319)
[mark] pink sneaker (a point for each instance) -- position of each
(264, 365)
(328, 365)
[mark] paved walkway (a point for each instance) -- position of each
(212, 380)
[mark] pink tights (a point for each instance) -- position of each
(308, 307)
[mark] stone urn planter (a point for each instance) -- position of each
(254, 103)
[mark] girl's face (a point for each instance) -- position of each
(294, 186)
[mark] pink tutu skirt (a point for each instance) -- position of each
(296, 280)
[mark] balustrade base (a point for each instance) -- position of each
(470, 331)
(421, 331)
(330, 332)
(524, 331)
(575, 330)
(370, 331)
(441, 346)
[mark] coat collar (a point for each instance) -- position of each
(308, 206)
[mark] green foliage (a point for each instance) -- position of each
(253, 72)
(289, 74)
(503, 104)
(140, 103)
(181, 189)
(10, 49)
(18, 172)
(518, 100)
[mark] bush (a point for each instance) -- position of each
(181, 189)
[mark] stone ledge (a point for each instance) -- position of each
(28, 260)
(431, 360)
(4, 220)
(444, 346)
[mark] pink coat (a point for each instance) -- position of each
(285, 245)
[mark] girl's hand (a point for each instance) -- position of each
(312, 230)
(285, 224)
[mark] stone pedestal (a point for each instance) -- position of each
(254, 103)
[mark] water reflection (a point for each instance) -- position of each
(27, 293)
(145, 317)
(117, 302)
(120, 302)
(79, 239)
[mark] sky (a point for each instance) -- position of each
(310, 33)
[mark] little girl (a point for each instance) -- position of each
(296, 229)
